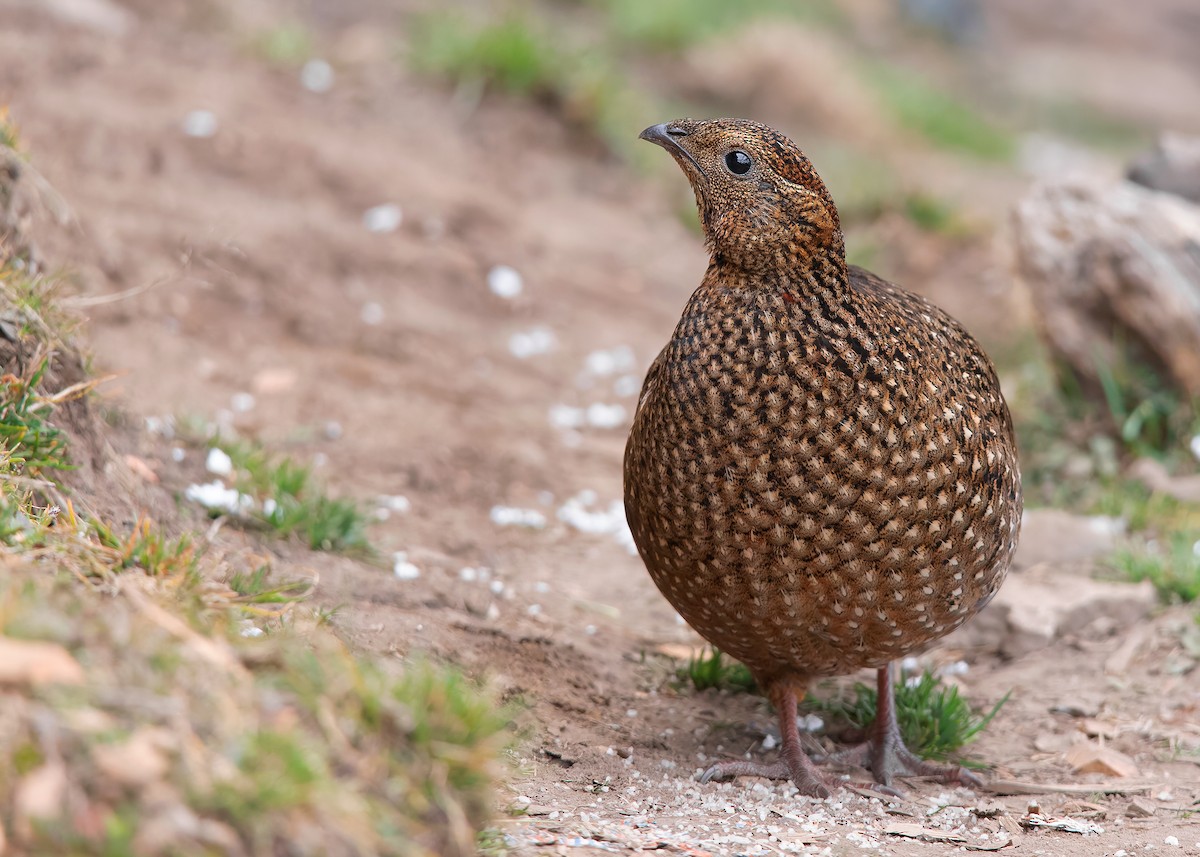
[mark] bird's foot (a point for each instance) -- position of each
(803, 774)
(888, 758)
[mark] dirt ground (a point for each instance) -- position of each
(214, 266)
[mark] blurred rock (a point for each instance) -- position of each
(1113, 273)
(1173, 166)
(1155, 476)
(789, 70)
(1055, 536)
(101, 16)
(1038, 606)
(35, 662)
(958, 21)
(39, 797)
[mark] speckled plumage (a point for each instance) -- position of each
(822, 472)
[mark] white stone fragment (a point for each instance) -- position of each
(402, 568)
(200, 123)
(215, 496)
(505, 282)
(609, 361)
(810, 723)
(567, 417)
(372, 313)
(242, 402)
(178, 454)
(529, 343)
(513, 516)
(627, 385)
(317, 76)
(383, 218)
(601, 415)
(218, 462)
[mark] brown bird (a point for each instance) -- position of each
(822, 474)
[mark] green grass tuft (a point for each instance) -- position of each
(1173, 567)
(288, 44)
(291, 501)
(673, 25)
(934, 720)
(937, 116)
(714, 669)
(32, 443)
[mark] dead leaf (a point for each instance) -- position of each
(36, 662)
(1066, 825)
(39, 796)
(1086, 757)
(1016, 787)
(1118, 662)
(925, 834)
(137, 761)
(141, 469)
(1140, 809)
(679, 651)
(271, 381)
(1099, 728)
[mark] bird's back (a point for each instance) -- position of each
(822, 477)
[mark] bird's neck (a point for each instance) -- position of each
(802, 272)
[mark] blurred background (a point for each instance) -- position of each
(418, 246)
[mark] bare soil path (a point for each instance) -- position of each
(389, 357)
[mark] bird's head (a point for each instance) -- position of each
(761, 202)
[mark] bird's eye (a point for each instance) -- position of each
(738, 162)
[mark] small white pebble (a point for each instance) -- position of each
(610, 361)
(1173, 841)
(270, 506)
(955, 669)
(590, 630)
(242, 402)
(402, 568)
(632, 712)
(533, 609)
(512, 516)
(566, 417)
(200, 123)
(218, 462)
(1194, 445)
(809, 723)
(177, 454)
(317, 76)
(251, 631)
(530, 343)
(601, 415)
(505, 282)
(627, 385)
(216, 497)
(372, 313)
(395, 502)
(541, 587)
(383, 218)
(769, 742)
(496, 587)
(333, 430)
(468, 575)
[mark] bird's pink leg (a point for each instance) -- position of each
(793, 764)
(884, 753)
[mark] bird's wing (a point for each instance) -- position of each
(654, 379)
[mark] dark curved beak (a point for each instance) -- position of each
(669, 136)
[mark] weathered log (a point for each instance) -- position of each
(1172, 165)
(1114, 272)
